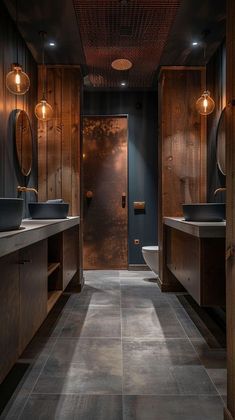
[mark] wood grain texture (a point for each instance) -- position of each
(59, 139)
(70, 255)
(9, 312)
(105, 176)
(33, 291)
(199, 265)
(182, 149)
(230, 208)
(10, 175)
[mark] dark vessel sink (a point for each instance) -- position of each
(48, 210)
(11, 213)
(204, 212)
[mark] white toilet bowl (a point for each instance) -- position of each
(151, 257)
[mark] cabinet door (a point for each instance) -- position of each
(9, 313)
(70, 254)
(33, 290)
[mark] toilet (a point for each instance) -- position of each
(151, 257)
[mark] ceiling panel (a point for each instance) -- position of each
(133, 29)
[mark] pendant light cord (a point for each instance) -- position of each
(43, 62)
(17, 40)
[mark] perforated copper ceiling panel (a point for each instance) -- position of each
(133, 29)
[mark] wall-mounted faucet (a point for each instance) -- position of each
(219, 190)
(26, 189)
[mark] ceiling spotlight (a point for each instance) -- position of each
(52, 44)
(121, 64)
(194, 44)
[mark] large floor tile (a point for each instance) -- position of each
(142, 297)
(188, 325)
(193, 380)
(147, 365)
(151, 322)
(95, 321)
(68, 407)
(86, 366)
(219, 378)
(92, 295)
(172, 408)
(211, 358)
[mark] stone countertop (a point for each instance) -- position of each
(199, 229)
(32, 231)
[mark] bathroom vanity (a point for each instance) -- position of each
(195, 256)
(37, 262)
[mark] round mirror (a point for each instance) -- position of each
(221, 144)
(24, 142)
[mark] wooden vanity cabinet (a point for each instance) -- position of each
(198, 264)
(70, 255)
(32, 278)
(33, 291)
(9, 312)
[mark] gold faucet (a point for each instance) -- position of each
(26, 189)
(219, 190)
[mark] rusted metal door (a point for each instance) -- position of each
(105, 192)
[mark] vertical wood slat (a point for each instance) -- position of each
(230, 208)
(10, 175)
(42, 147)
(182, 150)
(59, 140)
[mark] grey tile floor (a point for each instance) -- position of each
(120, 350)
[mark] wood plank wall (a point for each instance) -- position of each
(182, 148)
(230, 208)
(59, 140)
(10, 175)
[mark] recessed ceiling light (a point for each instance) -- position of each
(123, 83)
(52, 44)
(121, 64)
(194, 44)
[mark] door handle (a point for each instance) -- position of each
(123, 200)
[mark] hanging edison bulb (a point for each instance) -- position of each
(43, 110)
(205, 104)
(17, 81)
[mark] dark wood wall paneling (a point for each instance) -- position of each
(141, 108)
(182, 150)
(59, 139)
(230, 208)
(10, 175)
(216, 84)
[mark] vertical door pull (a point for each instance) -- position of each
(123, 200)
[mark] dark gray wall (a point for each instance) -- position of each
(142, 160)
(216, 83)
(10, 175)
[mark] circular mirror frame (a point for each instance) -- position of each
(221, 143)
(21, 144)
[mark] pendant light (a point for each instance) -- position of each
(205, 104)
(17, 81)
(43, 109)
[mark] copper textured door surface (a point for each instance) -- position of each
(105, 192)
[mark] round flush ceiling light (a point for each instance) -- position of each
(121, 64)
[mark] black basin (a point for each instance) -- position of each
(48, 210)
(204, 212)
(11, 213)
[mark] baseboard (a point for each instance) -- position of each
(227, 414)
(138, 267)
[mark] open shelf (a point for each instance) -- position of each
(52, 266)
(53, 296)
